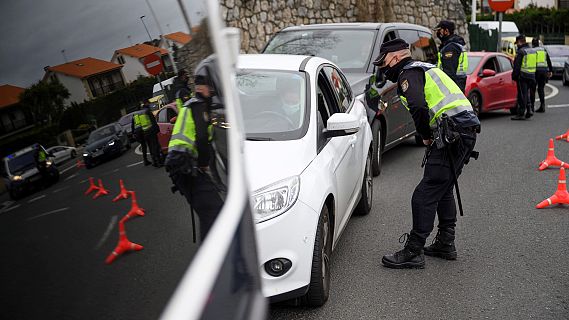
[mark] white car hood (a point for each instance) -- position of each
(270, 161)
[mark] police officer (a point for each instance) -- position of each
(430, 96)
(543, 71)
(453, 57)
(189, 150)
(523, 73)
(145, 129)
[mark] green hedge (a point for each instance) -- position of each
(43, 135)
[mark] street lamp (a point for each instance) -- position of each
(149, 36)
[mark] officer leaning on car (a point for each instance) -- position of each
(523, 73)
(543, 71)
(453, 57)
(190, 153)
(448, 125)
(145, 129)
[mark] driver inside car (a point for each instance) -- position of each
(290, 99)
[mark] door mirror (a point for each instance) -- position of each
(173, 119)
(341, 124)
(380, 79)
(488, 73)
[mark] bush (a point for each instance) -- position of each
(46, 136)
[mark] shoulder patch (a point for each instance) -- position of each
(404, 85)
(448, 54)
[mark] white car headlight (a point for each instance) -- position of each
(275, 199)
(85, 154)
(16, 178)
(111, 143)
(48, 163)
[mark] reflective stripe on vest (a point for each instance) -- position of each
(462, 60)
(442, 96)
(142, 120)
(529, 62)
(541, 62)
(42, 156)
(184, 133)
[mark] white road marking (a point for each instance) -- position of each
(83, 181)
(71, 177)
(60, 189)
(10, 209)
(558, 106)
(36, 198)
(554, 92)
(47, 213)
(134, 164)
(138, 150)
(67, 169)
(107, 232)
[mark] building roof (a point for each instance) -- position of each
(9, 95)
(180, 37)
(85, 67)
(141, 50)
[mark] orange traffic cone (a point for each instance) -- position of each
(102, 191)
(92, 186)
(123, 193)
(123, 246)
(135, 210)
(551, 159)
(80, 164)
(560, 196)
(564, 136)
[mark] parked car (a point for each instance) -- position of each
(558, 55)
(125, 122)
(62, 153)
(166, 118)
(353, 47)
(489, 85)
(20, 172)
(104, 143)
(509, 46)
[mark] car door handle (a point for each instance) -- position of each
(353, 141)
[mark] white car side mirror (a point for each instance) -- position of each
(341, 124)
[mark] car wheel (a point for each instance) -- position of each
(476, 102)
(73, 154)
(14, 195)
(565, 81)
(364, 206)
(377, 148)
(319, 287)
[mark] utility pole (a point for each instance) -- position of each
(473, 13)
(63, 54)
(129, 39)
(145, 28)
(162, 36)
(186, 17)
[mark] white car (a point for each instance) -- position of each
(308, 160)
(62, 153)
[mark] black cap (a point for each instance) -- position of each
(445, 24)
(390, 46)
(521, 37)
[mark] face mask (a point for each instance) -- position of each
(291, 109)
(390, 73)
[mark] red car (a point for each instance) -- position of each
(166, 117)
(489, 85)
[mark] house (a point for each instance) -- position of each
(87, 78)
(177, 38)
(131, 60)
(12, 117)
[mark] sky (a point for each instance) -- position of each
(34, 32)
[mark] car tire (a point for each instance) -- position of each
(476, 101)
(319, 287)
(565, 81)
(377, 147)
(73, 154)
(366, 200)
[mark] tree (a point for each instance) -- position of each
(44, 101)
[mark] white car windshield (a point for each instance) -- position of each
(273, 103)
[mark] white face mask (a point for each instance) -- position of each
(291, 109)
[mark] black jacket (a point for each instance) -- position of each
(450, 54)
(517, 71)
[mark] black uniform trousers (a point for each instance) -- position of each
(524, 105)
(151, 140)
(203, 195)
(434, 194)
(540, 81)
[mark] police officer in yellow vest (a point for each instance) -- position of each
(189, 150)
(523, 73)
(145, 129)
(543, 71)
(430, 95)
(453, 57)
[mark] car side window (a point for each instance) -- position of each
(429, 47)
(389, 36)
(163, 116)
(505, 63)
(170, 113)
(340, 87)
(412, 38)
(491, 64)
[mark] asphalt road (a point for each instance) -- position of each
(54, 242)
(512, 260)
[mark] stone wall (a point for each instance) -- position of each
(259, 19)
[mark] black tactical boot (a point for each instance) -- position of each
(442, 246)
(541, 108)
(410, 257)
(518, 117)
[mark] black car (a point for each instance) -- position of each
(104, 143)
(353, 47)
(21, 174)
(558, 55)
(125, 122)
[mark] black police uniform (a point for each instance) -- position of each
(541, 80)
(149, 139)
(524, 82)
(450, 55)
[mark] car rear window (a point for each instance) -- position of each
(349, 49)
(473, 62)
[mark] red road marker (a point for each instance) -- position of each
(561, 196)
(123, 193)
(551, 159)
(135, 210)
(564, 136)
(102, 191)
(92, 186)
(123, 246)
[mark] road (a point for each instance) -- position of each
(53, 245)
(512, 258)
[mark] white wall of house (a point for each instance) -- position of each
(77, 90)
(520, 4)
(132, 68)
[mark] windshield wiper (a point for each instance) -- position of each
(259, 139)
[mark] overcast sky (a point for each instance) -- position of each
(34, 32)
